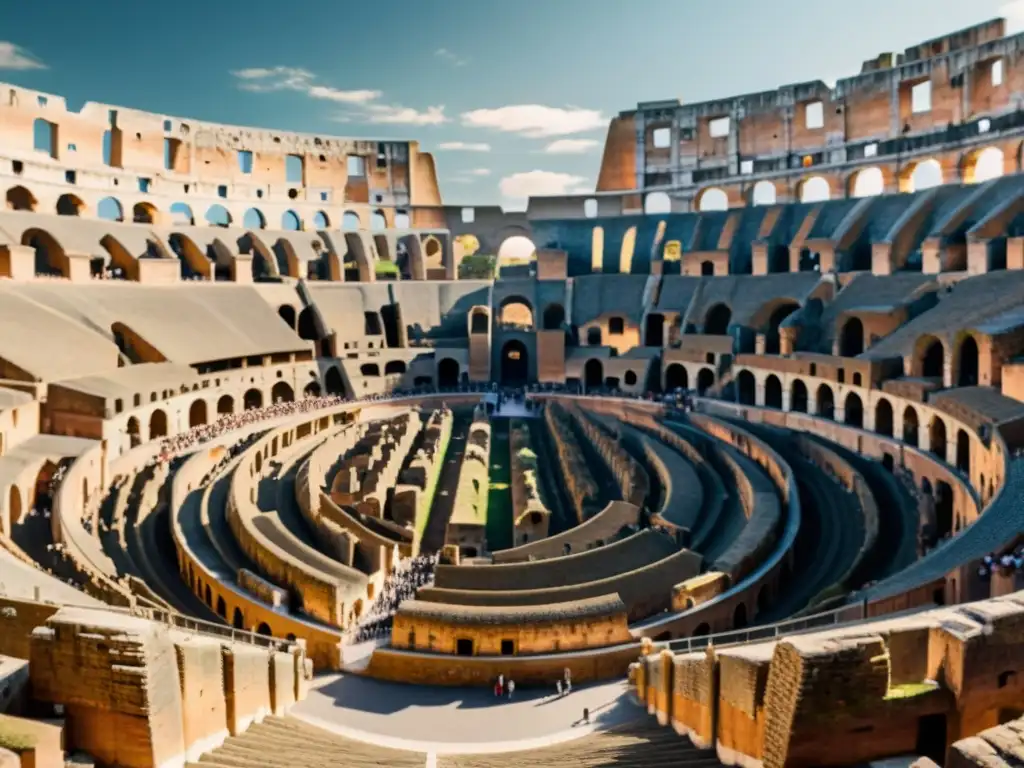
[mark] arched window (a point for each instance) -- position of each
(851, 341)
(764, 193)
(746, 388)
(254, 219)
(826, 402)
(773, 392)
(853, 411)
(716, 321)
(883, 418)
(290, 221)
(798, 397)
(968, 373)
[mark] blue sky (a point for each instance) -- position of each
(512, 98)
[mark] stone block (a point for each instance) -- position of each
(246, 685)
(34, 744)
(204, 709)
(282, 682)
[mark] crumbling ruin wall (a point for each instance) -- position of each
(630, 477)
(583, 491)
(531, 516)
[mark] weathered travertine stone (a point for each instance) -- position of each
(200, 670)
(246, 685)
(282, 682)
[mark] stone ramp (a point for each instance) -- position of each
(638, 744)
(284, 742)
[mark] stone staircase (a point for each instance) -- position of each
(285, 742)
(640, 744)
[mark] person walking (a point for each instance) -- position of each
(511, 689)
(558, 686)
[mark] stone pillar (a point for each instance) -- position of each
(17, 262)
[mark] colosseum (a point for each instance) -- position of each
(730, 473)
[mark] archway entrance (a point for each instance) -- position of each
(676, 377)
(593, 373)
(515, 363)
(447, 373)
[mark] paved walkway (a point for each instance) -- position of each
(459, 720)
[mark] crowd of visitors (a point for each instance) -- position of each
(1010, 563)
(401, 584)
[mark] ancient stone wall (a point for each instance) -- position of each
(531, 517)
(583, 491)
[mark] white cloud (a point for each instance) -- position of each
(571, 146)
(453, 58)
(479, 172)
(15, 57)
(269, 79)
(345, 97)
(520, 186)
(384, 114)
(535, 120)
(462, 146)
(1013, 12)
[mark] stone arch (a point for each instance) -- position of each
(705, 380)
(218, 216)
(712, 199)
(593, 373)
(254, 219)
(770, 317)
(676, 377)
(237, 620)
(479, 320)
(197, 413)
(814, 189)
(290, 221)
(378, 221)
(264, 629)
(717, 319)
(312, 389)
(707, 268)
(516, 248)
(739, 616)
(963, 452)
(282, 392)
(967, 363)
(764, 193)
(70, 205)
(394, 367)
(49, 253)
(983, 165)
(851, 338)
(773, 392)
(222, 607)
(657, 203)
(883, 418)
(798, 397)
(110, 209)
(929, 358)
(853, 410)
(867, 182)
(911, 426)
(225, 405)
(746, 388)
(287, 313)
(350, 221)
(144, 213)
(921, 175)
(826, 402)
(447, 373)
(516, 311)
(322, 221)
(369, 369)
(937, 437)
(20, 199)
(157, 424)
(943, 509)
(554, 316)
(252, 399)
(654, 330)
(133, 429)
(515, 363)
(334, 383)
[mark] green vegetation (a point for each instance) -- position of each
(385, 268)
(478, 266)
(427, 499)
(13, 737)
(499, 492)
(909, 690)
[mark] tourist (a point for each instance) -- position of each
(511, 689)
(586, 715)
(558, 687)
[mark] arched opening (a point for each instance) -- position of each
(222, 608)
(282, 393)
(516, 250)
(867, 183)
(110, 209)
(254, 219)
(826, 402)
(703, 630)
(333, 381)
(181, 213)
(772, 339)
(932, 358)
(290, 221)
(657, 202)
(910, 427)
(515, 312)
(923, 175)
(883, 418)
(209, 596)
(739, 616)
(378, 221)
(716, 321)
(853, 410)
(984, 166)
(225, 405)
(967, 376)
(594, 336)
(237, 620)
(943, 509)
(814, 190)
(937, 437)
(764, 193)
(263, 629)
(676, 377)
(707, 269)
(350, 221)
(369, 369)
(773, 392)
(593, 373)
(851, 340)
(70, 205)
(654, 335)
(312, 390)
(394, 367)
(515, 363)
(20, 199)
(479, 322)
(963, 452)
(554, 317)
(287, 313)
(307, 324)
(447, 373)
(705, 380)
(746, 388)
(134, 437)
(217, 216)
(144, 213)
(252, 399)
(157, 424)
(798, 397)
(713, 199)
(322, 221)
(197, 413)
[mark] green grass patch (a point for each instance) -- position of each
(427, 498)
(385, 268)
(13, 737)
(499, 489)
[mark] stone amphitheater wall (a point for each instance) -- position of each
(630, 477)
(575, 471)
(17, 619)
(531, 518)
(600, 529)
